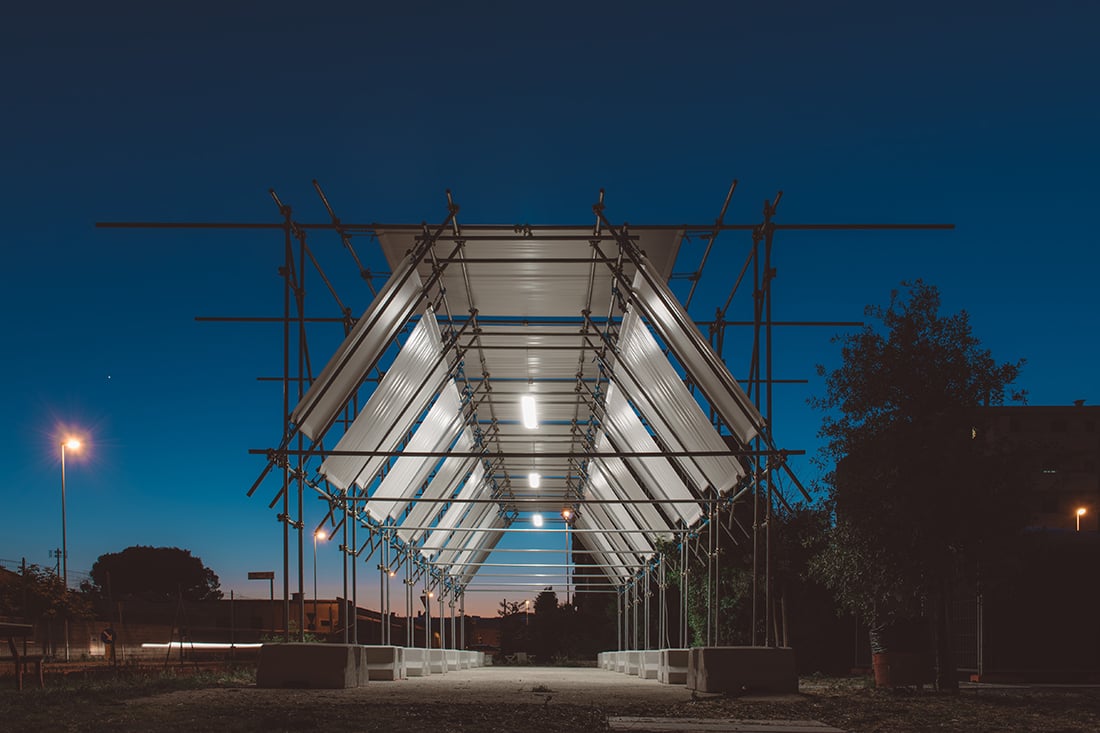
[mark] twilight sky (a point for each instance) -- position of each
(979, 114)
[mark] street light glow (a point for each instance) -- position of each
(320, 534)
(567, 514)
(1081, 511)
(73, 443)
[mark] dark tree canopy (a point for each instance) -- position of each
(155, 574)
(919, 499)
(38, 593)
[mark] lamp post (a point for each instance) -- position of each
(72, 444)
(318, 535)
(567, 515)
(527, 612)
(1081, 511)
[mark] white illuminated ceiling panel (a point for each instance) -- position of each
(360, 351)
(399, 400)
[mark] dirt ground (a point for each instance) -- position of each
(545, 699)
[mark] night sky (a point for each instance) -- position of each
(858, 111)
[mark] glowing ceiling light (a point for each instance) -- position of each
(530, 418)
(536, 519)
(534, 480)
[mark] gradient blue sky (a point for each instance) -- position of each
(980, 114)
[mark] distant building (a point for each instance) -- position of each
(1041, 621)
(1066, 440)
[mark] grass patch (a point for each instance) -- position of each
(124, 684)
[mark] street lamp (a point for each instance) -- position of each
(567, 515)
(318, 535)
(527, 612)
(72, 444)
(1081, 511)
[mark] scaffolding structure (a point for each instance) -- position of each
(419, 432)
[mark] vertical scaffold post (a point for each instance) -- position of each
(462, 623)
(288, 261)
(662, 618)
(684, 581)
(637, 611)
(754, 389)
(299, 284)
(409, 637)
(344, 560)
(619, 620)
(383, 620)
(769, 274)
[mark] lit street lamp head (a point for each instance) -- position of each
(71, 443)
(1082, 511)
(321, 534)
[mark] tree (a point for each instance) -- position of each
(918, 501)
(514, 634)
(38, 593)
(154, 574)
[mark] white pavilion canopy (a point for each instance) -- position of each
(579, 319)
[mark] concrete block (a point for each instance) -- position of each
(384, 662)
(416, 662)
(633, 662)
(314, 666)
(620, 662)
(437, 661)
(453, 659)
(650, 662)
(673, 667)
(738, 669)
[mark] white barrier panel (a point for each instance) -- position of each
(359, 352)
(439, 429)
(416, 662)
(656, 474)
(671, 410)
(451, 473)
(679, 332)
(392, 408)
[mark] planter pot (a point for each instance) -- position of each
(897, 669)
